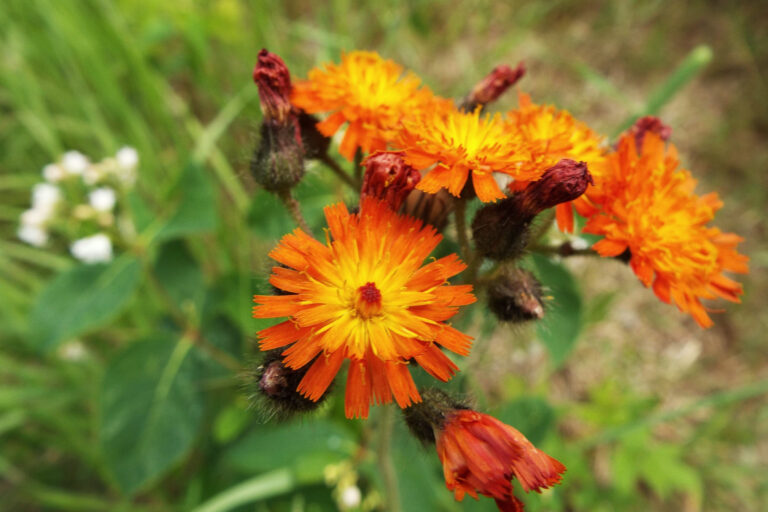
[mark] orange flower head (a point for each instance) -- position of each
(461, 143)
(368, 92)
(365, 296)
(550, 136)
(481, 455)
(644, 204)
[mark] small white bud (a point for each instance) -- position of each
(579, 244)
(74, 162)
(45, 197)
(73, 351)
(93, 174)
(350, 497)
(127, 157)
(92, 249)
(102, 199)
(54, 173)
(33, 235)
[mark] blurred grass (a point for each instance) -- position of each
(173, 80)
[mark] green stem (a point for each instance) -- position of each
(338, 171)
(564, 249)
(384, 456)
(293, 207)
(358, 168)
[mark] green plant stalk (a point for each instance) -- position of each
(384, 458)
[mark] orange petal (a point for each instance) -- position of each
(320, 375)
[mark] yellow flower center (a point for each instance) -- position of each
(368, 300)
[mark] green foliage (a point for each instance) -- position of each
(82, 298)
(563, 320)
(151, 410)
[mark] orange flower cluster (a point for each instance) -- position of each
(643, 203)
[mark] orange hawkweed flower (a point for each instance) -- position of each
(481, 455)
(551, 135)
(365, 296)
(643, 203)
(461, 143)
(370, 93)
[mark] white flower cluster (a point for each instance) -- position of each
(82, 180)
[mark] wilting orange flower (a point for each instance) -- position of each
(480, 455)
(551, 135)
(370, 93)
(461, 143)
(365, 296)
(644, 204)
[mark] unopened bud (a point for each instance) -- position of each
(501, 230)
(278, 163)
(315, 144)
(563, 182)
(649, 124)
(492, 86)
(275, 384)
(432, 209)
(428, 415)
(516, 296)
(274, 81)
(389, 178)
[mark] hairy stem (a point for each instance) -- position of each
(293, 207)
(384, 456)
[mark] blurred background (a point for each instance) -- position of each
(123, 385)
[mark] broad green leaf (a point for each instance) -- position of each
(196, 210)
(532, 416)
(255, 489)
(180, 275)
(563, 319)
(82, 298)
(291, 445)
(151, 410)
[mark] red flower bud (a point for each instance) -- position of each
(274, 81)
(493, 85)
(388, 177)
(563, 182)
(649, 124)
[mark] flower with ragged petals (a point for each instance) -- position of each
(365, 296)
(644, 205)
(370, 93)
(480, 454)
(551, 135)
(461, 145)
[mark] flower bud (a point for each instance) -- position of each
(649, 124)
(492, 86)
(274, 387)
(563, 182)
(501, 230)
(516, 296)
(274, 81)
(425, 417)
(388, 177)
(432, 209)
(315, 144)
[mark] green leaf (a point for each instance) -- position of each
(82, 298)
(180, 275)
(291, 445)
(563, 319)
(255, 489)
(532, 416)
(196, 211)
(151, 410)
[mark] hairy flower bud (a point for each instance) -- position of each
(649, 124)
(501, 230)
(492, 86)
(516, 296)
(563, 182)
(274, 387)
(432, 209)
(388, 177)
(315, 144)
(278, 162)
(274, 81)
(424, 417)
